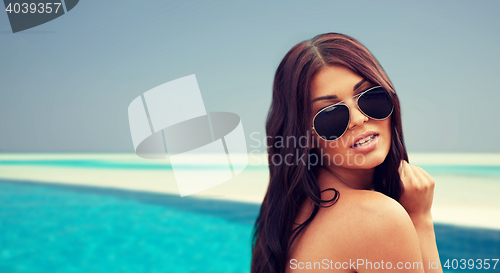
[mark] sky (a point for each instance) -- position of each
(65, 86)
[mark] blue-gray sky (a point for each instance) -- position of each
(65, 85)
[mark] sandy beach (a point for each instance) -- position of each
(461, 200)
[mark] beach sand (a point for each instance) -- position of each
(460, 200)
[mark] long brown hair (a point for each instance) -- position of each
(289, 116)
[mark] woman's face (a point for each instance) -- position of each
(337, 83)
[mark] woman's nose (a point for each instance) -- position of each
(356, 117)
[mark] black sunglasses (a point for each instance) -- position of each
(331, 122)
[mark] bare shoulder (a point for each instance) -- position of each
(377, 207)
(370, 225)
(362, 225)
(362, 207)
(373, 213)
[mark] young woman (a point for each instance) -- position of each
(346, 198)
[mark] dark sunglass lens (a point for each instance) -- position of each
(332, 122)
(376, 103)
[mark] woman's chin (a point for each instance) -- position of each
(365, 161)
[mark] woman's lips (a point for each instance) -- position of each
(362, 136)
(368, 147)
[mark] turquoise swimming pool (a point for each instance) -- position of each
(77, 229)
(49, 228)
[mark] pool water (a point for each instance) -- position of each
(52, 228)
(76, 229)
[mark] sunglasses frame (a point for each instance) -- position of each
(349, 110)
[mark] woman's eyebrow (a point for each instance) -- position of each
(331, 97)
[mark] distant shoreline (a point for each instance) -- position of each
(484, 159)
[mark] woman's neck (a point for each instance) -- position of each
(334, 177)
